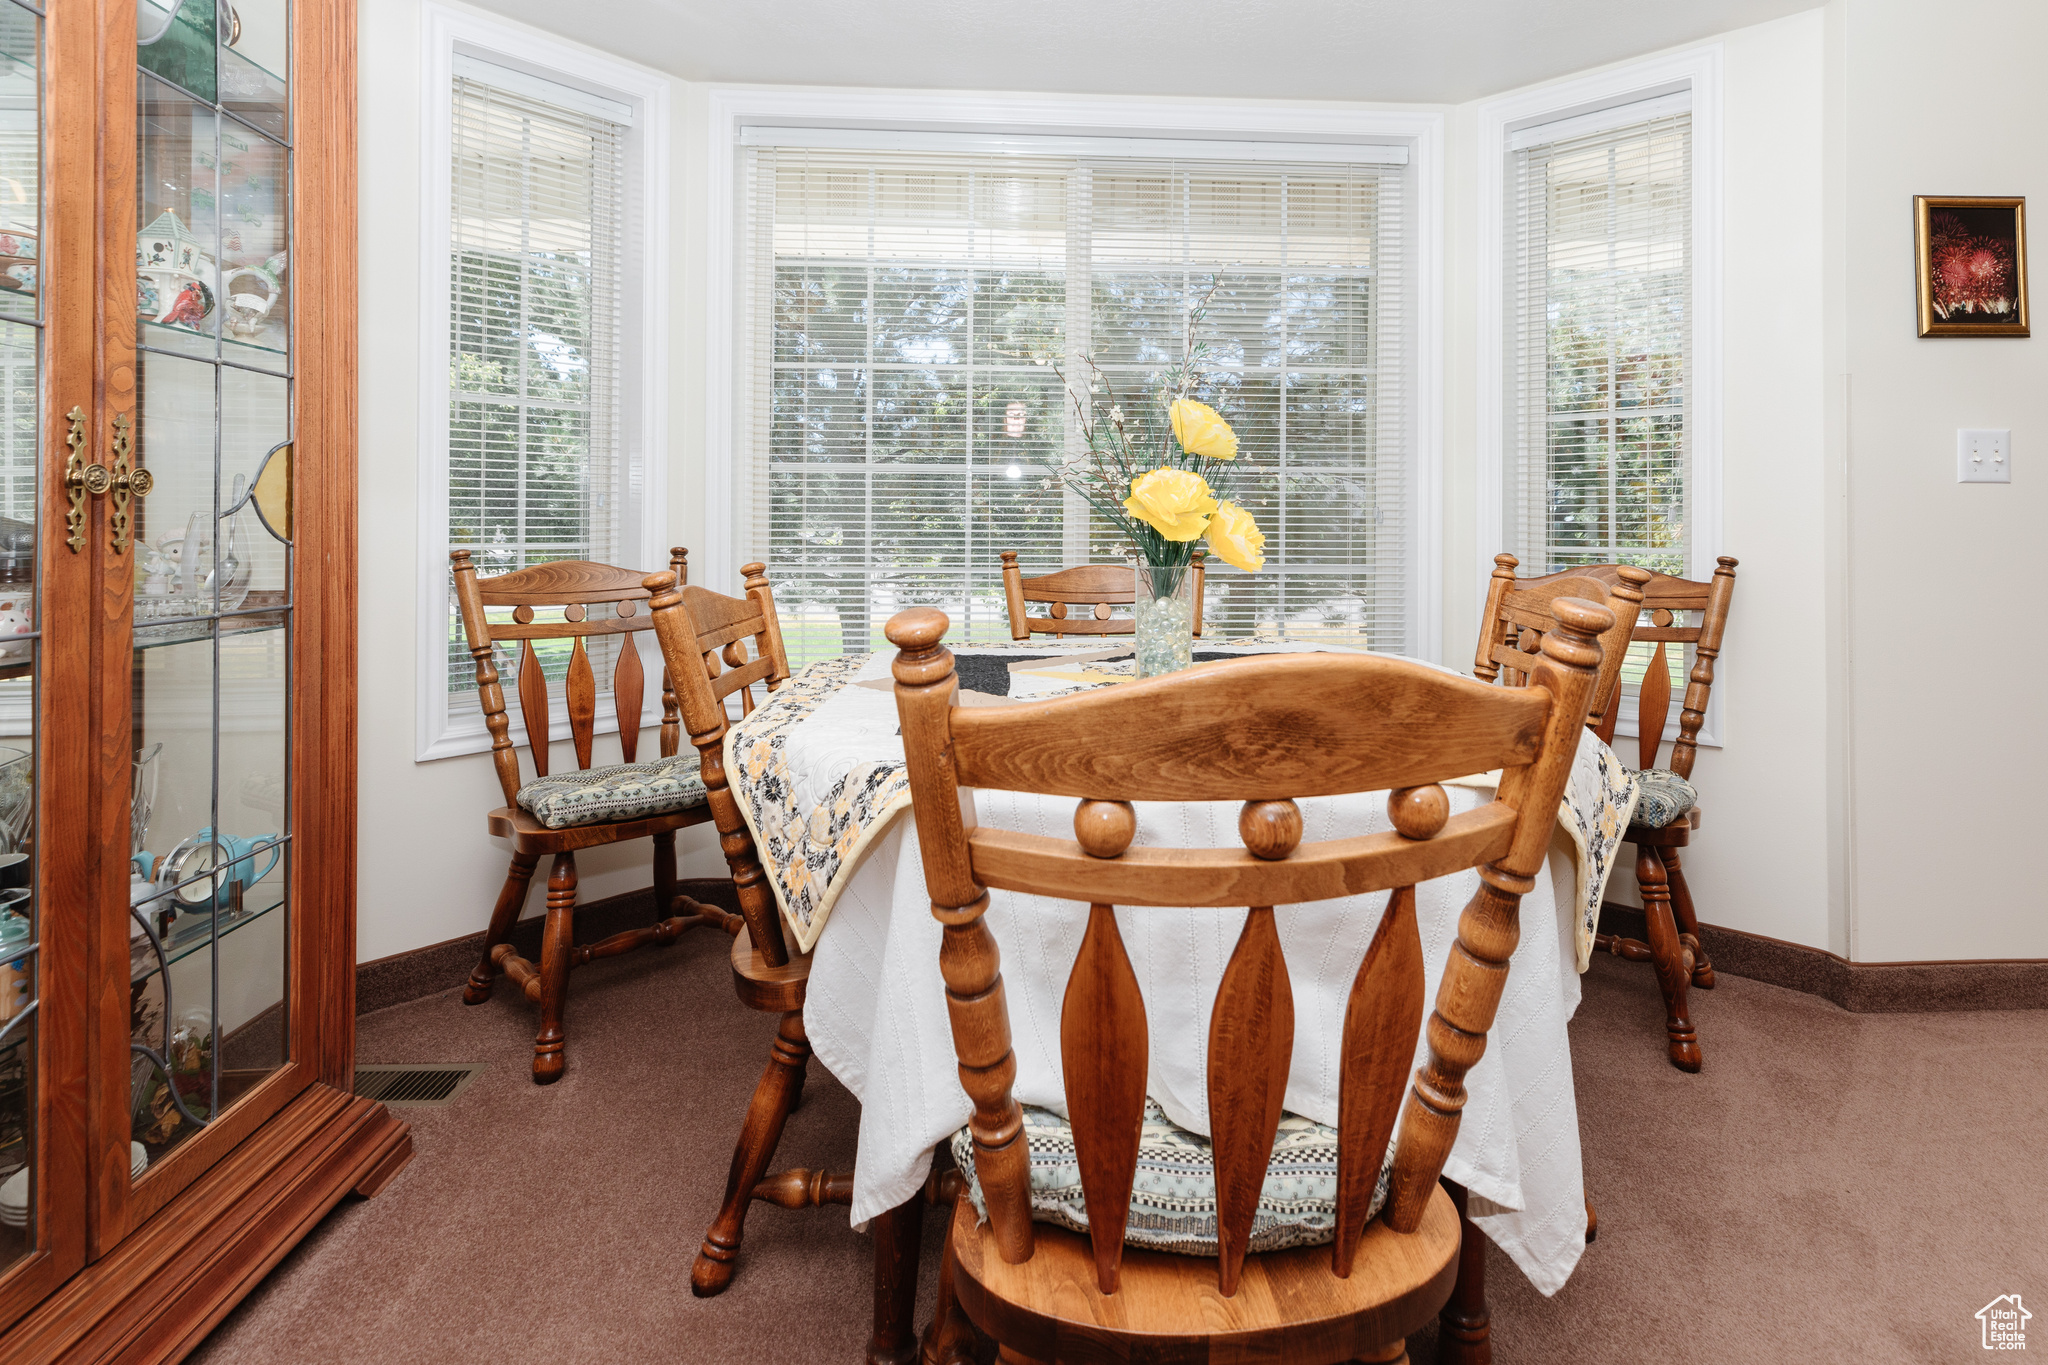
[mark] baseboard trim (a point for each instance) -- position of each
(1861, 987)
(421, 972)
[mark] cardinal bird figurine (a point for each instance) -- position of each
(189, 307)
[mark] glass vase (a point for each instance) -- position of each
(1164, 608)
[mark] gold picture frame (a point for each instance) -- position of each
(1970, 256)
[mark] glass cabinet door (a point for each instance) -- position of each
(21, 924)
(205, 546)
(48, 105)
(212, 566)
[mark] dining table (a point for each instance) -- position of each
(819, 773)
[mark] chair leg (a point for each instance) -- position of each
(1688, 923)
(503, 916)
(664, 874)
(950, 1338)
(1393, 1353)
(759, 1135)
(556, 937)
(899, 1236)
(1464, 1330)
(1674, 967)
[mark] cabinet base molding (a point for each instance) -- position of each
(157, 1294)
(1860, 987)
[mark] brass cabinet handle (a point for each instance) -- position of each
(124, 482)
(81, 478)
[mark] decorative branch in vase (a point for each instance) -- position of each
(1166, 503)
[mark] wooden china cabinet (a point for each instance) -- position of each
(177, 663)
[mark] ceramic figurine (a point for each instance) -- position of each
(175, 278)
(16, 619)
(160, 567)
(18, 261)
(251, 291)
(190, 307)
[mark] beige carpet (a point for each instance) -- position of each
(1833, 1187)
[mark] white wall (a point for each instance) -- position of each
(427, 870)
(1947, 733)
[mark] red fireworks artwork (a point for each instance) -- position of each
(1969, 272)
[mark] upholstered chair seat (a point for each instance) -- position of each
(1173, 1198)
(613, 794)
(1662, 797)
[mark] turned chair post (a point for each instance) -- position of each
(704, 638)
(969, 961)
(700, 695)
(1470, 990)
(1670, 921)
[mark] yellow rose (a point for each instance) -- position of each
(1174, 502)
(1236, 538)
(1201, 431)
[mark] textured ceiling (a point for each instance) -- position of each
(1399, 50)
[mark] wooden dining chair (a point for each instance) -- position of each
(1668, 811)
(560, 814)
(1518, 614)
(1097, 586)
(704, 637)
(1263, 731)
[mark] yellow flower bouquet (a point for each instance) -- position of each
(1166, 484)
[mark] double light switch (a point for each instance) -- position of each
(1983, 456)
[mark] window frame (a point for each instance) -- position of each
(914, 112)
(1697, 71)
(441, 732)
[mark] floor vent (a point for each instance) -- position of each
(415, 1085)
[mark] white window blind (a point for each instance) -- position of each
(902, 315)
(1600, 336)
(537, 222)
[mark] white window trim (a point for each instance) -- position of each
(733, 108)
(1699, 70)
(643, 386)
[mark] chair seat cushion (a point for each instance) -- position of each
(1173, 1198)
(623, 791)
(1664, 797)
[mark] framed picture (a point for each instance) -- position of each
(1972, 259)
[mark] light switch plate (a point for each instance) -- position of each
(1983, 455)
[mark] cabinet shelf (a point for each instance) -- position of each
(191, 932)
(184, 630)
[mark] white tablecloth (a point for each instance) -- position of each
(876, 1009)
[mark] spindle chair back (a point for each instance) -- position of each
(1518, 613)
(1099, 587)
(1264, 731)
(1665, 598)
(586, 601)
